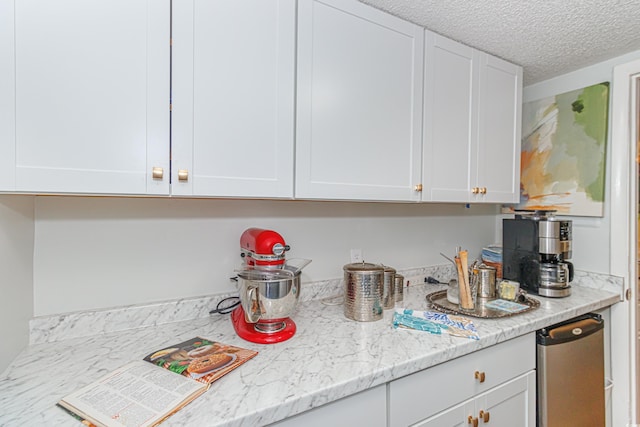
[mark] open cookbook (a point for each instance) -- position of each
(145, 392)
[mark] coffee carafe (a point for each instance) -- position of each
(536, 247)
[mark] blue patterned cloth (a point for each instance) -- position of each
(435, 323)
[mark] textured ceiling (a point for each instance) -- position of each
(546, 37)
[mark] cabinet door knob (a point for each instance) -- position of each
(417, 188)
(483, 190)
(475, 190)
(484, 416)
(472, 421)
(479, 376)
(183, 175)
(157, 172)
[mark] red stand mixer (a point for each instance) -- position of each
(269, 288)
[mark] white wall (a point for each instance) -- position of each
(16, 270)
(591, 236)
(93, 253)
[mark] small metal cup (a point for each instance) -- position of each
(399, 291)
(486, 282)
(389, 288)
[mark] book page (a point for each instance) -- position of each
(135, 395)
(201, 359)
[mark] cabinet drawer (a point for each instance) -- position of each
(432, 390)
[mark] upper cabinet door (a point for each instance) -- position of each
(359, 103)
(91, 96)
(450, 125)
(497, 170)
(7, 96)
(471, 126)
(233, 99)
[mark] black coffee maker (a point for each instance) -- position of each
(535, 250)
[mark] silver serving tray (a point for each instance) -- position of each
(438, 300)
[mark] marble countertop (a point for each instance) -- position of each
(330, 357)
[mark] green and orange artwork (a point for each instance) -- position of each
(564, 140)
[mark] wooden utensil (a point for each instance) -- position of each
(463, 283)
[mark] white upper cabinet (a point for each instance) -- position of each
(497, 168)
(449, 118)
(359, 103)
(233, 99)
(307, 99)
(7, 96)
(91, 97)
(471, 125)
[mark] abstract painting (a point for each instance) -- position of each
(564, 140)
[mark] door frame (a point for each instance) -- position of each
(623, 262)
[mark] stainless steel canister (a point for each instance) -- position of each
(389, 288)
(399, 288)
(363, 285)
(486, 281)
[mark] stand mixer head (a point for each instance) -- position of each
(263, 248)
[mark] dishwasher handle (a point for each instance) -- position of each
(570, 330)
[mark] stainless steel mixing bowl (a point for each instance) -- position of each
(268, 295)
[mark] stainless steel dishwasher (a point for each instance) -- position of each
(570, 370)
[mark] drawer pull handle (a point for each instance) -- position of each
(484, 415)
(475, 190)
(472, 421)
(183, 175)
(479, 376)
(157, 172)
(417, 188)
(483, 190)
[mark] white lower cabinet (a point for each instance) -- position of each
(498, 380)
(367, 408)
(510, 404)
(495, 385)
(452, 417)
